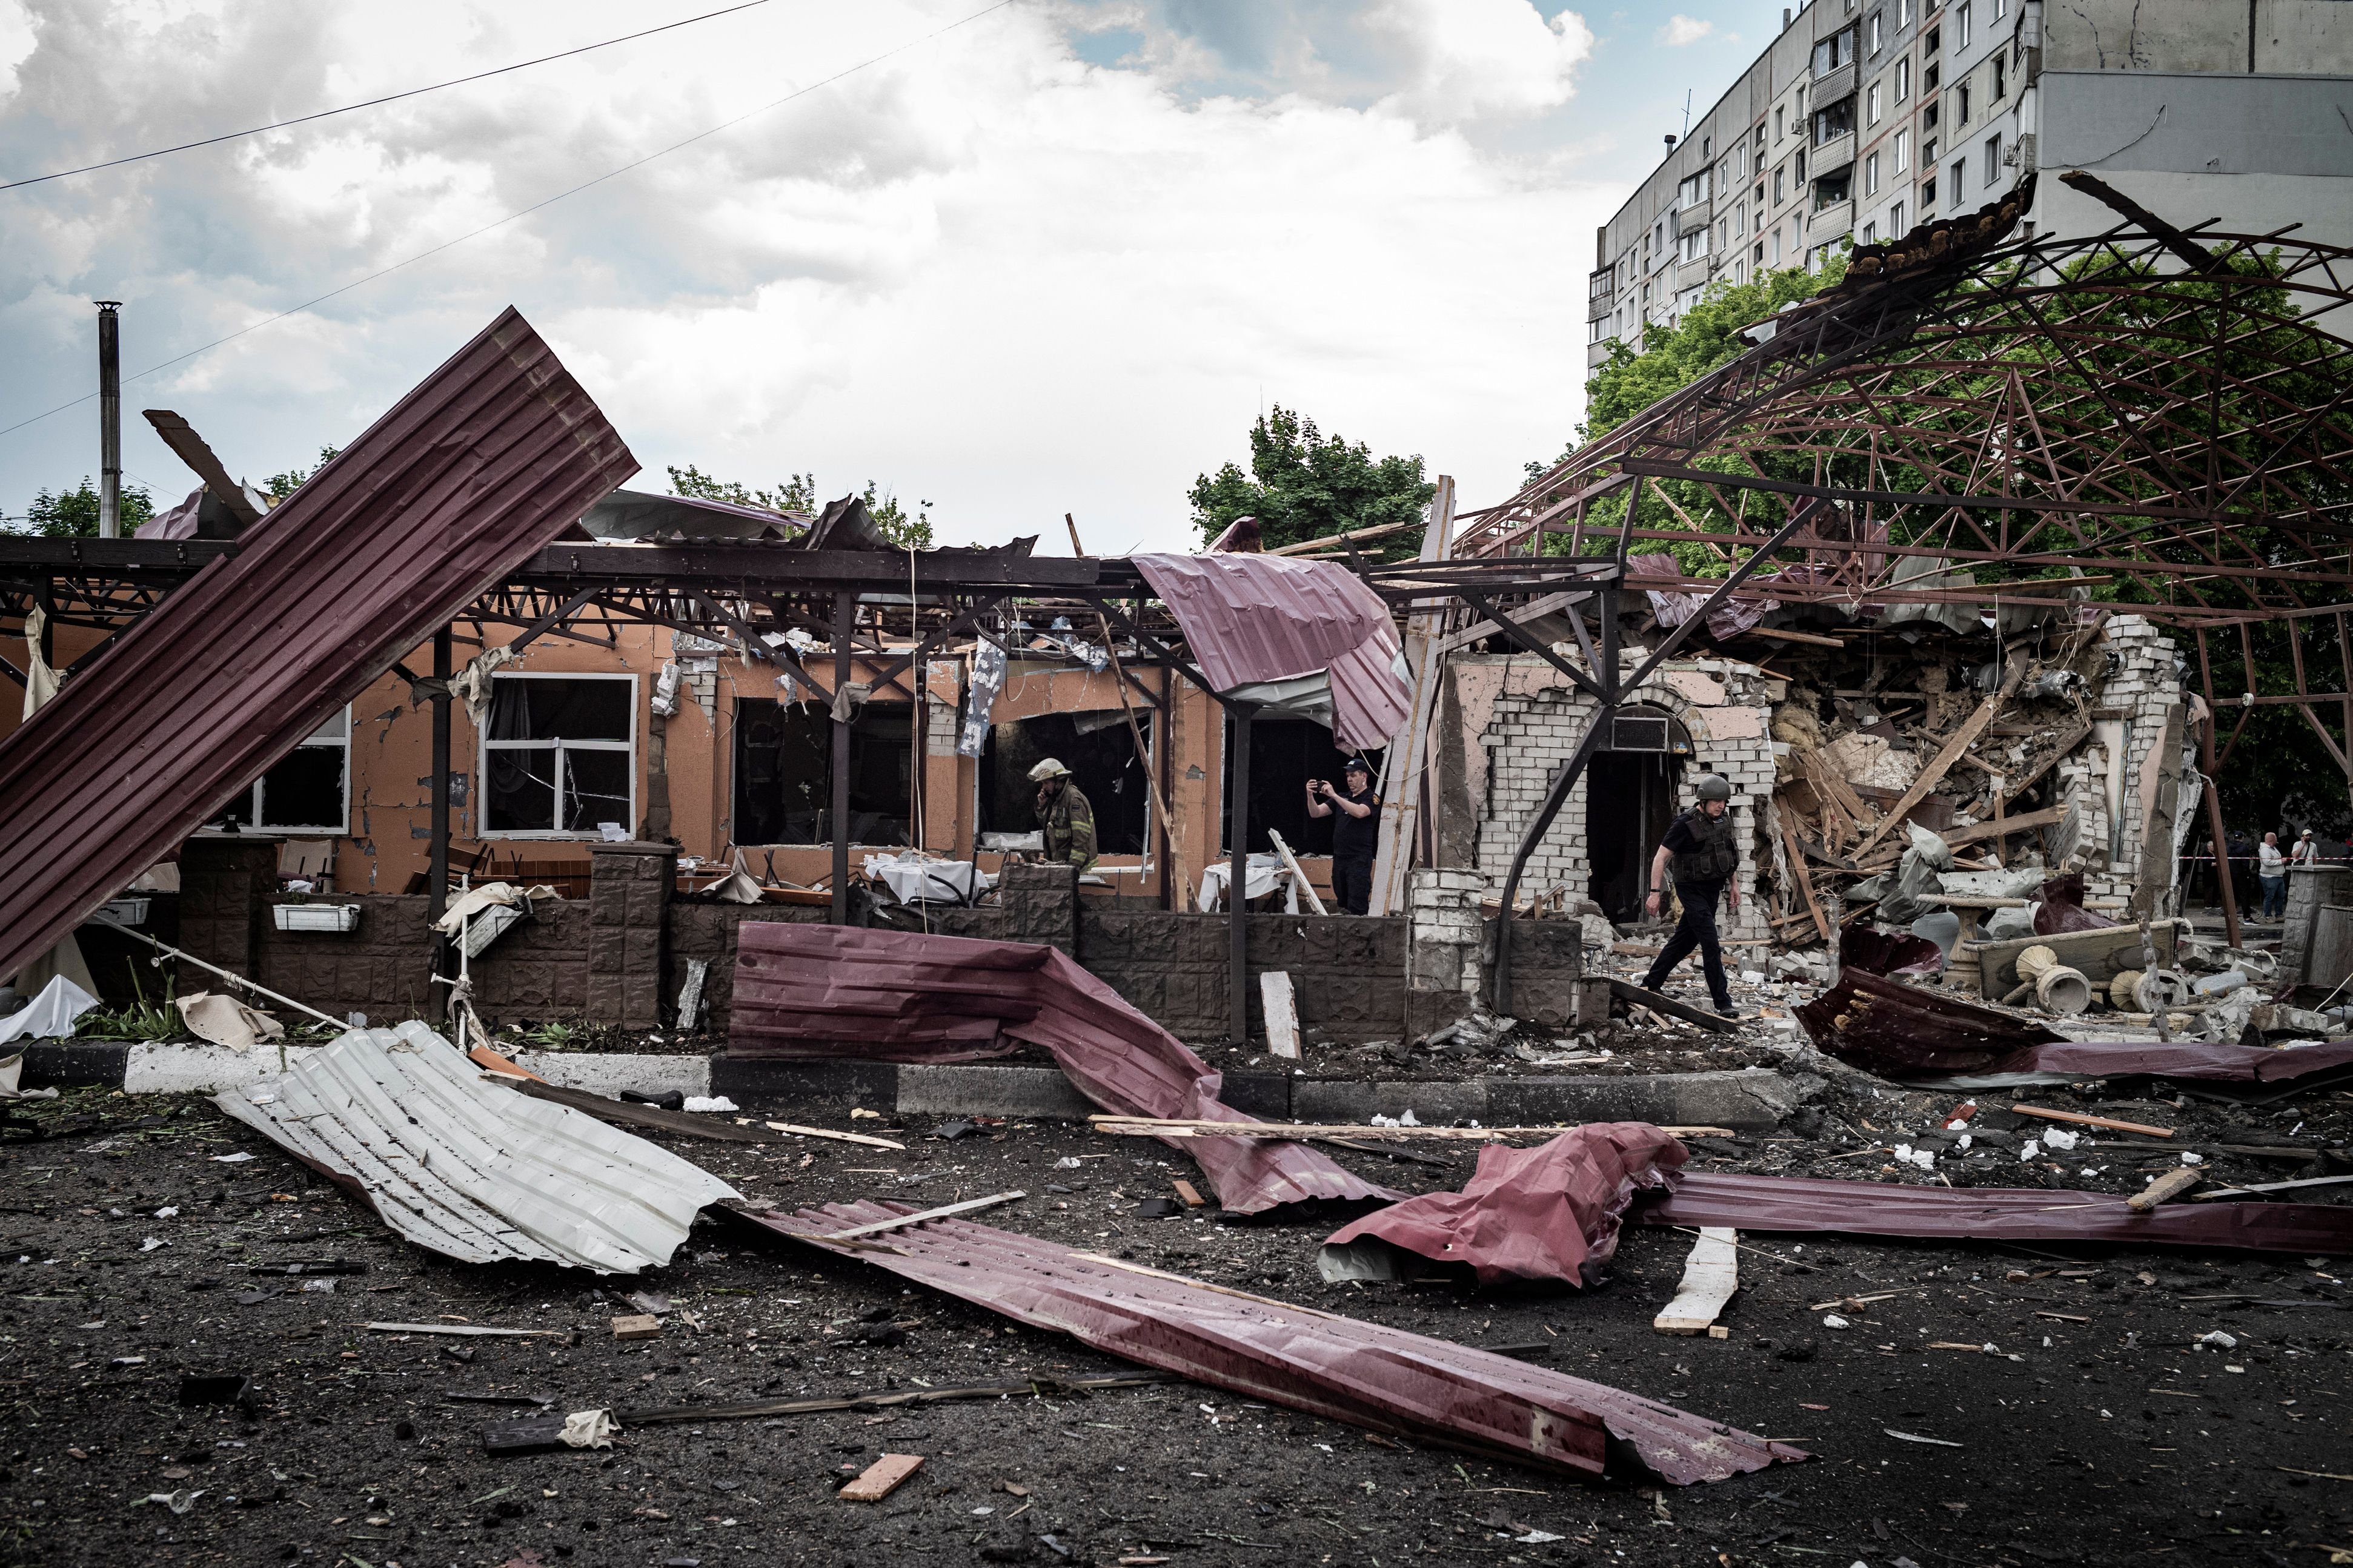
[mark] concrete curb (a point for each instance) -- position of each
(1750, 1099)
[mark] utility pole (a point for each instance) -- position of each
(110, 419)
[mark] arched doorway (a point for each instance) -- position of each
(1629, 798)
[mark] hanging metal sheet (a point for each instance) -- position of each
(1990, 1213)
(1369, 1375)
(1252, 618)
(472, 1170)
(885, 995)
(488, 458)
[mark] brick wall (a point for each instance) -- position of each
(1347, 973)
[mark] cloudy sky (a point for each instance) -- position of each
(1021, 259)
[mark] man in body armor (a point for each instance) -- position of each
(1700, 849)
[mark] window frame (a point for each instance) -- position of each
(1903, 82)
(483, 745)
(1903, 152)
(253, 794)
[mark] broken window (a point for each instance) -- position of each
(784, 772)
(306, 790)
(1101, 755)
(559, 755)
(1284, 754)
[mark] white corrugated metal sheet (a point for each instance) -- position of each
(470, 1169)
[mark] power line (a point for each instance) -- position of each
(373, 102)
(522, 212)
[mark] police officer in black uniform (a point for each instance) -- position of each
(1355, 836)
(1700, 849)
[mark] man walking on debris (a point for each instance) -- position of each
(1066, 815)
(1700, 848)
(1354, 836)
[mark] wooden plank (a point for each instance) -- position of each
(1353, 536)
(1711, 1275)
(624, 1114)
(1957, 837)
(2101, 955)
(795, 1130)
(1298, 872)
(636, 1326)
(1628, 991)
(1934, 774)
(1188, 1193)
(881, 1479)
(943, 1210)
(2171, 1185)
(2270, 1187)
(1202, 1127)
(2078, 1118)
(1407, 759)
(1281, 1015)
(1805, 878)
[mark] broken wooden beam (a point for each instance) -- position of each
(1711, 1275)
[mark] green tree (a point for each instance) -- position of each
(798, 493)
(1303, 484)
(74, 513)
(278, 487)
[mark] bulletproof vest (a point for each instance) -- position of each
(1718, 855)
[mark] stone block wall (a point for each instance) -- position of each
(380, 969)
(1446, 965)
(1347, 973)
(225, 890)
(628, 908)
(707, 932)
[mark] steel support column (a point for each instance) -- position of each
(1238, 869)
(437, 876)
(845, 610)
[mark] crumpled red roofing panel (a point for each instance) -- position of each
(490, 457)
(1899, 1031)
(1990, 1213)
(1365, 1373)
(1547, 1213)
(1250, 618)
(836, 991)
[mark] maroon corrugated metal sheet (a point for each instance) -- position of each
(1547, 1213)
(834, 990)
(1899, 1031)
(1990, 1213)
(487, 461)
(1366, 1374)
(1248, 618)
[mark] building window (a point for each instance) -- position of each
(1903, 13)
(307, 791)
(1870, 106)
(1870, 233)
(1903, 82)
(1834, 51)
(1870, 176)
(1961, 103)
(1877, 37)
(1895, 221)
(1960, 181)
(2001, 76)
(1832, 189)
(1833, 122)
(1961, 19)
(784, 772)
(1932, 40)
(1596, 330)
(559, 755)
(2001, 9)
(1694, 245)
(1799, 164)
(1993, 160)
(1903, 152)
(1692, 190)
(1757, 256)
(1777, 248)
(1780, 190)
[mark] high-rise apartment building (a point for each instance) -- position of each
(1864, 118)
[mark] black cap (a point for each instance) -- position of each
(1357, 765)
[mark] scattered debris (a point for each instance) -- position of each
(1711, 1275)
(881, 1479)
(636, 1326)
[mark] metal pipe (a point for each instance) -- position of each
(437, 877)
(1238, 871)
(110, 419)
(845, 609)
(235, 979)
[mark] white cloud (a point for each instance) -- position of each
(984, 271)
(1680, 30)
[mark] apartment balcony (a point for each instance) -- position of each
(1697, 216)
(1693, 273)
(1835, 85)
(1835, 154)
(1827, 225)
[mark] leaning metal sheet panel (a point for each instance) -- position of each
(1252, 618)
(1366, 1374)
(1799, 1203)
(836, 991)
(488, 458)
(471, 1170)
